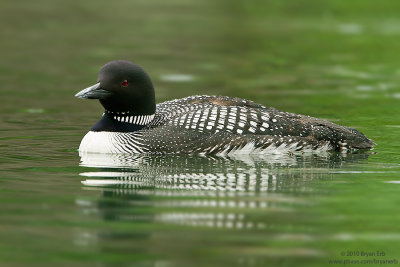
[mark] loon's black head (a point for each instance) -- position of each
(122, 87)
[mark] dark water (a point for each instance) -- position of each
(337, 60)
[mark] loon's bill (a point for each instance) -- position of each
(93, 92)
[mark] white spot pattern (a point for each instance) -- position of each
(212, 118)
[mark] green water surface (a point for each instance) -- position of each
(333, 59)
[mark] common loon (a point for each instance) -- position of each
(132, 122)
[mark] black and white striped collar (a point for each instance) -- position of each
(133, 119)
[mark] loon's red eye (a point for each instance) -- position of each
(125, 83)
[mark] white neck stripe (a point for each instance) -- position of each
(138, 120)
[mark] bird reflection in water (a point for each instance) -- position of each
(199, 191)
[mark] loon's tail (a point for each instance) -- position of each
(358, 140)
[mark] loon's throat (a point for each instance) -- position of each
(127, 117)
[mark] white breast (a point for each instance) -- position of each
(108, 142)
(97, 142)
